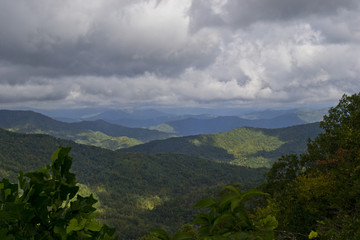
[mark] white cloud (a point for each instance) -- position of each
(173, 52)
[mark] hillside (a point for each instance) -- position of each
(194, 126)
(98, 133)
(115, 130)
(252, 147)
(306, 114)
(137, 191)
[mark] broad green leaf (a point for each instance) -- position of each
(234, 189)
(74, 225)
(206, 203)
(248, 194)
(7, 193)
(221, 219)
(55, 155)
(92, 225)
(83, 235)
(228, 197)
(269, 223)
(37, 202)
(235, 202)
(200, 220)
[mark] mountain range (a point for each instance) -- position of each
(98, 132)
(136, 191)
(252, 147)
(193, 126)
(146, 118)
(153, 178)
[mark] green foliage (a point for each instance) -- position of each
(45, 205)
(251, 147)
(320, 190)
(136, 191)
(225, 218)
(100, 139)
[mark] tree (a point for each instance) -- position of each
(341, 132)
(226, 218)
(320, 190)
(45, 205)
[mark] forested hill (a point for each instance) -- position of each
(253, 147)
(193, 126)
(98, 133)
(115, 130)
(137, 192)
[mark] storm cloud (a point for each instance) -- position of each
(178, 53)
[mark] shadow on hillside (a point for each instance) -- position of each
(184, 146)
(295, 140)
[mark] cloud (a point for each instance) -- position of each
(242, 13)
(104, 38)
(169, 52)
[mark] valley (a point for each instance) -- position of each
(154, 177)
(136, 191)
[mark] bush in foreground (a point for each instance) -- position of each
(45, 205)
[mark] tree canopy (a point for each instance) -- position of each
(319, 192)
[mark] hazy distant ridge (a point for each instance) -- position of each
(98, 133)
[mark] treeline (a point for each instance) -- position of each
(312, 196)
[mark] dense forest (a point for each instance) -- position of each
(136, 191)
(311, 196)
(251, 147)
(314, 195)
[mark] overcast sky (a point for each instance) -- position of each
(121, 53)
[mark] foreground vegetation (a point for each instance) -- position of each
(136, 191)
(312, 196)
(318, 191)
(45, 205)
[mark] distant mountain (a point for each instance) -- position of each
(313, 115)
(267, 114)
(192, 126)
(147, 122)
(125, 117)
(115, 130)
(252, 147)
(131, 114)
(146, 118)
(137, 192)
(305, 114)
(98, 133)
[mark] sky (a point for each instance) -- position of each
(172, 53)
